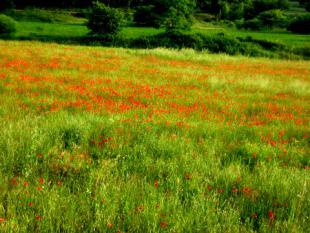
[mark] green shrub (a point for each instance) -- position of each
(104, 21)
(179, 15)
(301, 25)
(7, 25)
(273, 18)
(252, 24)
(267, 19)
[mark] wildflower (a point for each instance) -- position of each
(188, 176)
(109, 225)
(41, 180)
(26, 184)
(234, 189)
(163, 224)
(220, 190)
(59, 183)
(139, 208)
(271, 215)
(39, 188)
(2, 220)
(14, 181)
(38, 218)
(247, 191)
(30, 204)
(156, 184)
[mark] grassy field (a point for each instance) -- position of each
(115, 140)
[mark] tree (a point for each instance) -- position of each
(104, 20)
(177, 15)
(7, 25)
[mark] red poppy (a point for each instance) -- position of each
(14, 181)
(109, 225)
(271, 215)
(2, 220)
(220, 190)
(38, 218)
(156, 184)
(26, 184)
(41, 180)
(163, 224)
(30, 204)
(234, 189)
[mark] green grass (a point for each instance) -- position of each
(62, 26)
(26, 29)
(286, 38)
(97, 139)
(52, 31)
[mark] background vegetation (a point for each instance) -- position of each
(248, 27)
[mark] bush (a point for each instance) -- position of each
(179, 15)
(301, 25)
(273, 18)
(104, 21)
(267, 19)
(7, 25)
(146, 16)
(252, 24)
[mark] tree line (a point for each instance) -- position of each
(226, 8)
(178, 14)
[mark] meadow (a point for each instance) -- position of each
(99, 139)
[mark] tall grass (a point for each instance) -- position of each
(108, 140)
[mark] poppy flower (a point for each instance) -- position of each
(26, 184)
(156, 184)
(271, 215)
(163, 224)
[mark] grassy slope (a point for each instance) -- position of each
(102, 139)
(63, 26)
(28, 29)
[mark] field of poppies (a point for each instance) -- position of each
(116, 140)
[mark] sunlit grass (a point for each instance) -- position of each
(106, 140)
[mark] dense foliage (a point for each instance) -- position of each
(7, 25)
(177, 15)
(104, 20)
(301, 25)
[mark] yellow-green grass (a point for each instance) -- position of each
(106, 140)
